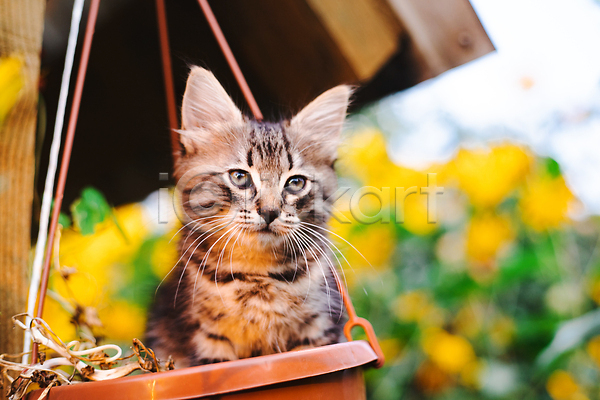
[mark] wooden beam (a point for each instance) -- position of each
(447, 33)
(21, 28)
(366, 31)
(285, 45)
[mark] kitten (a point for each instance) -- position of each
(255, 274)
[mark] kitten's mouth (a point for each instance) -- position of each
(266, 229)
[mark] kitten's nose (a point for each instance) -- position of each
(269, 214)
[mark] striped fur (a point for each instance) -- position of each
(255, 270)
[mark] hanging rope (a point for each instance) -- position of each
(165, 52)
(235, 68)
(66, 157)
(38, 259)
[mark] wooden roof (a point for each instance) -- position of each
(289, 50)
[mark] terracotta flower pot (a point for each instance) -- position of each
(328, 372)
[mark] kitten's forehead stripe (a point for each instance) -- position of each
(269, 148)
(286, 144)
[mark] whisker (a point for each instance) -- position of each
(290, 250)
(218, 228)
(302, 237)
(327, 242)
(347, 242)
(192, 221)
(219, 225)
(220, 259)
(331, 267)
(177, 263)
(335, 234)
(306, 264)
(202, 265)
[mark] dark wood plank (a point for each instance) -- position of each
(21, 26)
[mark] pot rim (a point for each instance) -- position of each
(225, 377)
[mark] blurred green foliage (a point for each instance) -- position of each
(470, 307)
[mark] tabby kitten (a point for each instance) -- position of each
(255, 275)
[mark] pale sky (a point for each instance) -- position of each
(541, 87)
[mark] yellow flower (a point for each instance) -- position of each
(502, 331)
(364, 156)
(470, 318)
(59, 320)
(487, 176)
(415, 217)
(80, 288)
(562, 386)
(372, 207)
(451, 353)
(417, 306)
(164, 255)
(98, 263)
(391, 349)
(595, 291)
(342, 224)
(545, 203)
(486, 235)
(11, 83)
(94, 254)
(477, 316)
(593, 349)
(374, 245)
(431, 379)
(412, 306)
(123, 321)
(470, 374)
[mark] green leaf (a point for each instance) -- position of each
(454, 288)
(534, 333)
(552, 167)
(141, 282)
(64, 220)
(523, 265)
(89, 210)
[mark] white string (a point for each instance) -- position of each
(51, 175)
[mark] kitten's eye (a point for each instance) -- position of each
(295, 184)
(240, 178)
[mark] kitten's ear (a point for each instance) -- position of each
(319, 124)
(205, 103)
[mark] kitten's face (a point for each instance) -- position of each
(257, 180)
